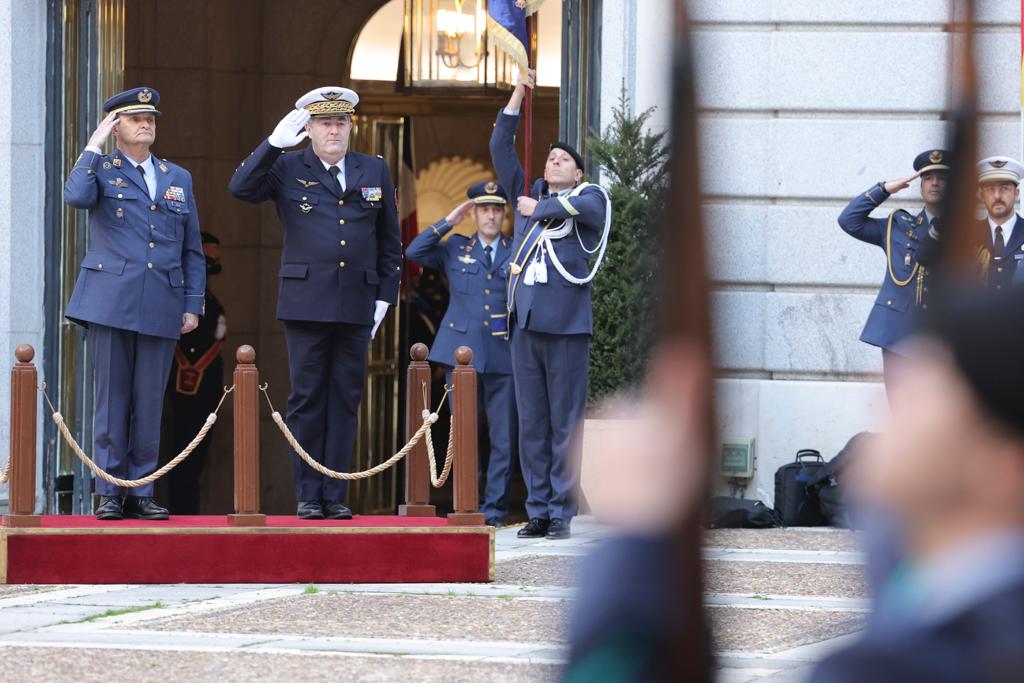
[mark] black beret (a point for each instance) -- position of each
(487, 192)
(135, 101)
(570, 151)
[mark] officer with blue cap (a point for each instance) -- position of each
(141, 286)
(561, 225)
(477, 270)
(341, 263)
(901, 236)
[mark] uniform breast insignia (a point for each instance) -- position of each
(306, 208)
(307, 183)
(920, 219)
(163, 167)
(119, 213)
(106, 166)
(116, 163)
(371, 194)
(175, 194)
(118, 182)
(467, 259)
(906, 260)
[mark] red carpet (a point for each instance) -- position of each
(79, 549)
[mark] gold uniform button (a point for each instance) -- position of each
(341, 202)
(99, 266)
(149, 265)
(451, 324)
(152, 207)
(463, 270)
(341, 264)
(489, 277)
(341, 221)
(487, 307)
(888, 303)
(120, 196)
(152, 227)
(999, 270)
(487, 291)
(305, 198)
(487, 323)
(343, 243)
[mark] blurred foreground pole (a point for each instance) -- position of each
(684, 318)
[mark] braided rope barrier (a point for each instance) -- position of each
(132, 483)
(429, 418)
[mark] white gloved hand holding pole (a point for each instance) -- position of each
(289, 132)
(378, 316)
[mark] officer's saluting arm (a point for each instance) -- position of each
(389, 241)
(256, 178)
(855, 220)
(426, 249)
(82, 190)
(587, 208)
(193, 261)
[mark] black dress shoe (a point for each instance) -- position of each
(143, 507)
(496, 522)
(310, 509)
(558, 529)
(336, 511)
(111, 507)
(535, 528)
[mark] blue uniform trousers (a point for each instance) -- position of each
(551, 372)
(131, 371)
(327, 364)
(495, 395)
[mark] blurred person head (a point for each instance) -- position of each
(950, 462)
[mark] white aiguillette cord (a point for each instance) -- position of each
(537, 271)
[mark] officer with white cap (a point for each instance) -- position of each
(340, 267)
(1001, 233)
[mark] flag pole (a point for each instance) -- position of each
(531, 57)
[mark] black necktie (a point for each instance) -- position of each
(334, 171)
(999, 246)
(142, 171)
(490, 256)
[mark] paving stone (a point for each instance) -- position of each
(772, 630)
(539, 570)
(841, 540)
(785, 578)
(9, 591)
(389, 616)
(40, 664)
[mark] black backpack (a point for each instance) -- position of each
(796, 504)
(739, 513)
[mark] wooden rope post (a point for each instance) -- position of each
(417, 475)
(465, 419)
(247, 441)
(24, 402)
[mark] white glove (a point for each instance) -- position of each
(289, 132)
(378, 316)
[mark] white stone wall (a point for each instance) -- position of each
(22, 183)
(804, 104)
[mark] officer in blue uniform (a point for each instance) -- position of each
(901, 236)
(477, 270)
(557, 229)
(340, 267)
(141, 286)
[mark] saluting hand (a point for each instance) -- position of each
(894, 186)
(458, 214)
(526, 205)
(289, 132)
(189, 322)
(102, 132)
